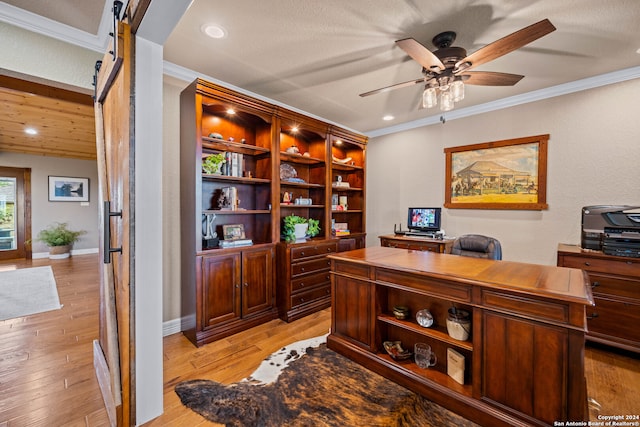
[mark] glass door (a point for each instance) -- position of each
(13, 213)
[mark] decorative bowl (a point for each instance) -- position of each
(424, 318)
(401, 312)
(395, 350)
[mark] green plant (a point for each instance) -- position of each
(59, 235)
(289, 222)
(212, 163)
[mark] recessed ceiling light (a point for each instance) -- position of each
(388, 117)
(31, 131)
(231, 111)
(214, 31)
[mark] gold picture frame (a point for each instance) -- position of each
(507, 174)
(233, 232)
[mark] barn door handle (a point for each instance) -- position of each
(106, 216)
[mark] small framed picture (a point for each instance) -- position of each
(68, 189)
(233, 232)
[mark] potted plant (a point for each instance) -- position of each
(213, 164)
(59, 239)
(296, 228)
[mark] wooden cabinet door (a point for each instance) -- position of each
(220, 289)
(353, 310)
(524, 366)
(257, 281)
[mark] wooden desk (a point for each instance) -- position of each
(615, 282)
(417, 243)
(524, 362)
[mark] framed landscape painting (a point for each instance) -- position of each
(68, 189)
(509, 174)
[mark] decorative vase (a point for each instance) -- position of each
(59, 252)
(300, 231)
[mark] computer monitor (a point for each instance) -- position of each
(424, 219)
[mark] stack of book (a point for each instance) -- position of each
(341, 229)
(235, 243)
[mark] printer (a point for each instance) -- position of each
(613, 229)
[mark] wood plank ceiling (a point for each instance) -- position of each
(63, 119)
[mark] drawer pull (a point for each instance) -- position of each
(329, 249)
(593, 316)
(302, 284)
(595, 284)
(302, 253)
(302, 269)
(587, 263)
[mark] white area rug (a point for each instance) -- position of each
(27, 291)
(271, 368)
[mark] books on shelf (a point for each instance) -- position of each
(234, 164)
(342, 232)
(340, 184)
(235, 243)
(455, 365)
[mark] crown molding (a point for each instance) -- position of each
(50, 28)
(525, 98)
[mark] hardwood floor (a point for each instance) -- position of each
(46, 360)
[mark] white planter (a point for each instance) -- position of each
(300, 231)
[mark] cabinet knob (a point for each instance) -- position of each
(587, 263)
(328, 249)
(593, 316)
(595, 284)
(302, 253)
(302, 284)
(301, 268)
(237, 286)
(629, 262)
(246, 285)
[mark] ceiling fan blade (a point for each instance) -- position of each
(490, 78)
(395, 86)
(421, 54)
(507, 44)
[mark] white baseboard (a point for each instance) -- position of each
(39, 255)
(171, 327)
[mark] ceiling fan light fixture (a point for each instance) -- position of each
(429, 97)
(446, 100)
(457, 90)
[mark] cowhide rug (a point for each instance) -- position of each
(318, 388)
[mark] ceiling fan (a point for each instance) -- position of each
(446, 69)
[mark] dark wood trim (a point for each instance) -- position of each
(45, 90)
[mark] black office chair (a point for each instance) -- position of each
(477, 246)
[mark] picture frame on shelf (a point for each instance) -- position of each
(507, 174)
(68, 189)
(233, 232)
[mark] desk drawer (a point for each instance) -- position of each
(314, 250)
(310, 281)
(310, 296)
(602, 284)
(307, 267)
(623, 266)
(615, 319)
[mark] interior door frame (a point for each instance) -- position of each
(23, 208)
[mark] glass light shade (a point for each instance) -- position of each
(429, 98)
(457, 90)
(446, 101)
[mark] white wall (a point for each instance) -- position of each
(593, 158)
(43, 212)
(31, 54)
